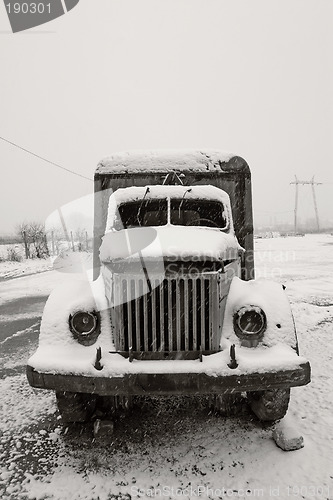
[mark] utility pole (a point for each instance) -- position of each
(314, 200)
(296, 202)
(297, 182)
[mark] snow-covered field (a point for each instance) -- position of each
(176, 448)
(12, 269)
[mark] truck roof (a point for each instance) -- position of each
(164, 161)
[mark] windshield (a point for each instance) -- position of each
(183, 212)
(190, 212)
(142, 213)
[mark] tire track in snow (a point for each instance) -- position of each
(20, 333)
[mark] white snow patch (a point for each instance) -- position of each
(34, 285)
(12, 269)
(287, 436)
(164, 161)
(79, 360)
(23, 405)
(137, 193)
(174, 242)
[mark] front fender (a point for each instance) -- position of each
(272, 298)
(67, 299)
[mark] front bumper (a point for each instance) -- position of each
(145, 383)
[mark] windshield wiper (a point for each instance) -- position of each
(140, 207)
(182, 200)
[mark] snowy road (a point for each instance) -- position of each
(21, 305)
(176, 447)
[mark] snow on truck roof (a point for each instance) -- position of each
(165, 161)
(134, 193)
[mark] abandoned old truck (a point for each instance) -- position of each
(174, 307)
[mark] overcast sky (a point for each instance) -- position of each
(251, 77)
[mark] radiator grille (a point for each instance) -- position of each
(178, 314)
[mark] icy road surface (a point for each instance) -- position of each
(172, 448)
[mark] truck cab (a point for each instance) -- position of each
(168, 257)
(174, 307)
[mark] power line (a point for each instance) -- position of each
(44, 159)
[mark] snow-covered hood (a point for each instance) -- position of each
(172, 242)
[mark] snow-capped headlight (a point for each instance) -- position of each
(85, 326)
(250, 324)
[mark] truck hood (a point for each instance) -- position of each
(169, 242)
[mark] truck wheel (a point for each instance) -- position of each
(226, 404)
(269, 405)
(75, 406)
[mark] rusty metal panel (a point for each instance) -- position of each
(186, 314)
(144, 299)
(129, 312)
(170, 335)
(122, 306)
(162, 325)
(170, 383)
(194, 313)
(137, 314)
(153, 316)
(178, 315)
(216, 328)
(117, 311)
(202, 314)
(212, 331)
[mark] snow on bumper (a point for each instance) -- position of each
(258, 369)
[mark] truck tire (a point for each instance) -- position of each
(269, 405)
(75, 406)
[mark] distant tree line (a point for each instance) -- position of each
(10, 239)
(40, 244)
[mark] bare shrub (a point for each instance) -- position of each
(13, 255)
(80, 238)
(34, 238)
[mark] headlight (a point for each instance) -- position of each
(85, 326)
(250, 324)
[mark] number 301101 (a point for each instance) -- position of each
(31, 8)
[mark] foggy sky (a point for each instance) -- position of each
(254, 78)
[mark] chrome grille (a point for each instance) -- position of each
(177, 314)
